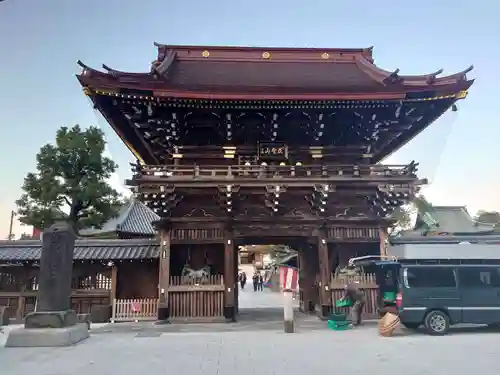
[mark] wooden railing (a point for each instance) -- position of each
(197, 234)
(154, 172)
(196, 299)
(134, 309)
(367, 284)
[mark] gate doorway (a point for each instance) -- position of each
(260, 299)
(198, 270)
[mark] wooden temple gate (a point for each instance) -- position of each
(214, 296)
(276, 158)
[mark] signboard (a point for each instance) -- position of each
(273, 151)
(289, 278)
(135, 307)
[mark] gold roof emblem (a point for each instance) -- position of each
(266, 55)
(205, 53)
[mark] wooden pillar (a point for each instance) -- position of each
(236, 284)
(325, 294)
(382, 232)
(112, 294)
(307, 275)
(229, 276)
(164, 275)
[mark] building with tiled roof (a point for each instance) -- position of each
(133, 220)
(447, 224)
(85, 249)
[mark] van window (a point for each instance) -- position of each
(479, 277)
(430, 277)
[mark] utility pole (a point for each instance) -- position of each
(11, 224)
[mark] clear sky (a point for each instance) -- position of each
(41, 40)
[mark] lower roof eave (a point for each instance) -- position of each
(205, 95)
(148, 93)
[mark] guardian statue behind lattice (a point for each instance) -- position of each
(192, 276)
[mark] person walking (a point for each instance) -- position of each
(261, 282)
(255, 280)
(243, 280)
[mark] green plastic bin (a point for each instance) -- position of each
(389, 296)
(343, 303)
(337, 317)
(338, 326)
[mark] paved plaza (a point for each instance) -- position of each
(257, 345)
(358, 351)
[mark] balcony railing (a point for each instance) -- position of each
(210, 172)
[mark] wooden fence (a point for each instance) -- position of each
(196, 300)
(369, 286)
(19, 304)
(134, 309)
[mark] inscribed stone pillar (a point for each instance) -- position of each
(53, 307)
(325, 294)
(229, 276)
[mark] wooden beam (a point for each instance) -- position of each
(325, 275)
(307, 276)
(146, 145)
(291, 182)
(164, 275)
(112, 294)
(383, 240)
(229, 276)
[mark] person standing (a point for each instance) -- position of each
(358, 298)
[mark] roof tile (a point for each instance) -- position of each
(84, 250)
(133, 218)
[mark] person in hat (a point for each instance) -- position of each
(356, 295)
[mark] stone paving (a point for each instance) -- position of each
(248, 299)
(261, 352)
(257, 345)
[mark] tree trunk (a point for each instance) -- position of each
(76, 206)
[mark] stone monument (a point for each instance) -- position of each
(53, 323)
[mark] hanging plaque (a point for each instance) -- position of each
(273, 151)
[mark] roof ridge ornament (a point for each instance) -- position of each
(160, 68)
(393, 78)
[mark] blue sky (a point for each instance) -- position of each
(40, 42)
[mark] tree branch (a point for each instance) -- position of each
(67, 200)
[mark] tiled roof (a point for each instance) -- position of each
(133, 218)
(456, 219)
(214, 70)
(84, 250)
(448, 219)
(418, 239)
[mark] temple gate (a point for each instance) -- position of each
(256, 145)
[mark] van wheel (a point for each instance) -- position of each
(436, 322)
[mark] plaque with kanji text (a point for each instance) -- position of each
(272, 151)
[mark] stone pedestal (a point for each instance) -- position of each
(50, 319)
(47, 337)
(4, 316)
(53, 323)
